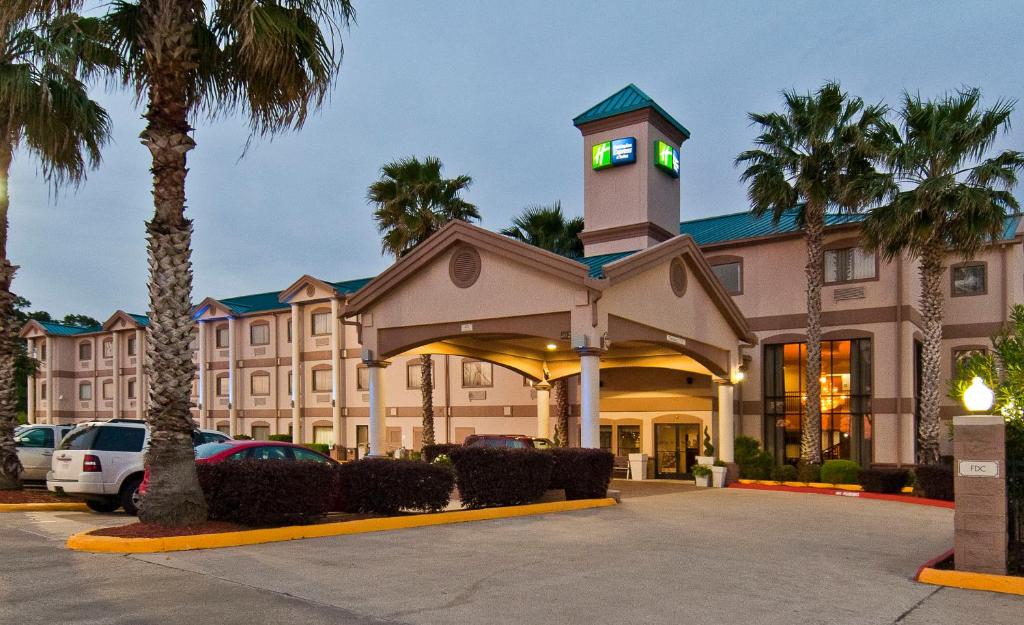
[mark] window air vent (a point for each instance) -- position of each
(464, 266)
(853, 292)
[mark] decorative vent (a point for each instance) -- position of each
(365, 397)
(222, 402)
(323, 399)
(853, 292)
(131, 361)
(260, 351)
(260, 401)
(464, 266)
(108, 404)
(310, 291)
(677, 277)
(477, 395)
(108, 362)
(323, 342)
(223, 353)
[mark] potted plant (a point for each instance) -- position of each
(718, 472)
(701, 474)
(708, 458)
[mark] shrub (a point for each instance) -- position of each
(700, 470)
(583, 473)
(808, 472)
(840, 472)
(935, 480)
(281, 438)
(259, 493)
(433, 451)
(242, 437)
(889, 481)
(323, 448)
(754, 463)
(501, 477)
(386, 486)
(784, 473)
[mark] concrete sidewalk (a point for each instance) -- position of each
(696, 556)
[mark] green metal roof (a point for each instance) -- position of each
(595, 264)
(260, 302)
(142, 320)
(61, 329)
(351, 286)
(626, 100)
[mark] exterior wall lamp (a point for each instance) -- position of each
(978, 397)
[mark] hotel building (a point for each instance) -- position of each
(662, 329)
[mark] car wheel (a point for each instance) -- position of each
(102, 505)
(130, 497)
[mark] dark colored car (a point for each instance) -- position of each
(504, 441)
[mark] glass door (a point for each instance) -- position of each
(675, 449)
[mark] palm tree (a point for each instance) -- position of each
(547, 228)
(814, 156)
(947, 196)
(44, 109)
(413, 201)
(275, 61)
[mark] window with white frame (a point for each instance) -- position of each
(321, 380)
(108, 348)
(133, 345)
(362, 378)
(477, 374)
(969, 279)
(131, 388)
(85, 350)
(259, 334)
(84, 391)
(321, 323)
(223, 386)
(849, 264)
(259, 383)
(108, 389)
(220, 336)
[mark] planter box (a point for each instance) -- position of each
(701, 480)
(638, 466)
(718, 476)
(705, 460)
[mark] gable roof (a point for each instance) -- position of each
(626, 100)
(55, 328)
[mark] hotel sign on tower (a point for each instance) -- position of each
(666, 157)
(613, 153)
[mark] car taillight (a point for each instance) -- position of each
(91, 464)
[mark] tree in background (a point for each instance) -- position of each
(816, 155)
(945, 195)
(413, 201)
(46, 52)
(274, 60)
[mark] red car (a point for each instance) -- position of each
(501, 441)
(211, 453)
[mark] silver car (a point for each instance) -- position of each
(35, 448)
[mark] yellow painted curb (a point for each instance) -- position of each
(112, 544)
(1007, 584)
(43, 507)
(851, 487)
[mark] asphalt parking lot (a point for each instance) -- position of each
(685, 556)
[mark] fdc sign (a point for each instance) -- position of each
(614, 152)
(666, 158)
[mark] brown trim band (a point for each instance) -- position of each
(645, 229)
(393, 341)
(883, 314)
(971, 330)
(714, 358)
(647, 114)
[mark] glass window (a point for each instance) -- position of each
(289, 330)
(80, 438)
(308, 455)
(221, 337)
(42, 391)
(362, 378)
(108, 349)
(848, 264)
(223, 386)
(108, 389)
(413, 375)
(290, 393)
(261, 432)
(85, 391)
(969, 280)
(961, 356)
(323, 434)
(260, 383)
(269, 452)
(477, 374)
(321, 380)
(606, 438)
(629, 439)
(35, 437)
(207, 450)
(132, 345)
(212, 437)
(131, 389)
(259, 334)
(731, 277)
(224, 428)
(362, 435)
(321, 323)
(85, 350)
(119, 439)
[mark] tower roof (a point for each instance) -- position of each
(626, 100)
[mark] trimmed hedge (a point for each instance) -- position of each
(808, 472)
(583, 473)
(754, 463)
(430, 452)
(840, 472)
(280, 438)
(888, 481)
(936, 480)
(322, 448)
(386, 486)
(260, 493)
(784, 473)
(501, 477)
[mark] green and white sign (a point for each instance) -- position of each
(602, 155)
(615, 152)
(666, 158)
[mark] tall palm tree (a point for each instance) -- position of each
(46, 111)
(814, 156)
(413, 201)
(547, 228)
(274, 60)
(947, 196)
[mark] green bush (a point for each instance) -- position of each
(433, 451)
(501, 477)
(242, 437)
(784, 473)
(322, 448)
(808, 472)
(387, 486)
(888, 481)
(259, 493)
(700, 470)
(281, 438)
(583, 473)
(754, 463)
(936, 481)
(840, 472)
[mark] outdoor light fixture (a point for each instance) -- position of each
(978, 397)
(739, 376)
(552, 346)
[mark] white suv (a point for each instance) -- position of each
(35, 445)
(102, 463)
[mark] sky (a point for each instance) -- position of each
(490, 88)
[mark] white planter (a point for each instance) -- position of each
(718, 476)
(701, 480)
(706, 460)
(638, 466)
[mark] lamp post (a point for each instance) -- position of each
(978, 397)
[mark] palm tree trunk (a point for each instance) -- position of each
(427, 389)
(810, 438)
(931, 352)
(562, 408)
(10, 466)
(174, 497)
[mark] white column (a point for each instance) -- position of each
(378, 419)
(140, 372)
(232, 382)
(590, 398)
(543, 409)
(337, 391)
(204, 410)
(296, 375)
(51, 392)
(726, 424)
(31, 412)
(116, 343)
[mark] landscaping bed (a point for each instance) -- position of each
(30, 496)
(149, 530)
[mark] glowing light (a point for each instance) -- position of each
(552, 346)
(978, 397)
(739, 376)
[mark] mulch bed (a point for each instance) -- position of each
(31, 496)
(149, 530)
(921, 501)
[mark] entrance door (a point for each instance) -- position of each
(675, 449)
